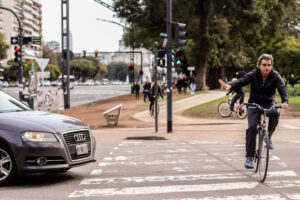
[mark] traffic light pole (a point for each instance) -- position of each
(20, 43)
(155, 87)
(132, 56)
(169, 66)
(65, 66)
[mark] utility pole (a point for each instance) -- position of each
(132, 56)
(155, 87)
(65, 38)
(169, 66)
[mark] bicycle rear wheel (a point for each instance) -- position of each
(224, 109)
(153, 110)
(263, 156)
(241, 111)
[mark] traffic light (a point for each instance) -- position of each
(178, 57)
(96, 53)
(84, 53)
(130, 67)
(141, 72)
(161, 57)
(180, 34)
(17, 54)
(181, 62)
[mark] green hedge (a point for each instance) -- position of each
(295, 92)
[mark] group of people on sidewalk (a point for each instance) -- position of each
(149, 92)
(184, 82)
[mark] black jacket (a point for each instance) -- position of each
(263, 92)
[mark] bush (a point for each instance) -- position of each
(295, 92)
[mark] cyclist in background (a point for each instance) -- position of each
(152, 96)
(240, 92)
(264, 82)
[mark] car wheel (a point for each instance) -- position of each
(7, 165)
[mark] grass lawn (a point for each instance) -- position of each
(210, 109)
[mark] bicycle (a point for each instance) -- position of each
(153, 110)
(261, 156)
(224, 108)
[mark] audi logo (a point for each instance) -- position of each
(79, 137)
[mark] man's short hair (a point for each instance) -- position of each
(265, 57)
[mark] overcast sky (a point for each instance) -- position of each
(88, 33)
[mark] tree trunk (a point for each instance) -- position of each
(214, 75)
(203, 51)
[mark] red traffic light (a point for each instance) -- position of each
(17, 48)
(17, 54)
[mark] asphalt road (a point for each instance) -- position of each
(173, 169)
(84, 94)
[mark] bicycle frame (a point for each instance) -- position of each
(263, 137)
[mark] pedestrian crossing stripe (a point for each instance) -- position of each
(163, 189)
(236, 175)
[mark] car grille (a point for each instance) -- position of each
(73, 139)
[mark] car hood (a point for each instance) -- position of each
(39, 121)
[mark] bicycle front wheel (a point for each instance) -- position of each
(263, 156)
(224, 109)
(241, 111)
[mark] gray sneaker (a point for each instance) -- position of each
(271, 145)
(249, 163)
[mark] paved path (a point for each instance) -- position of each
(181, 105)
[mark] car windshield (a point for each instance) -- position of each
(10, 104)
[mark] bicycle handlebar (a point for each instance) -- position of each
(260, 107)
(230, 92)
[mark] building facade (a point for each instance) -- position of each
(30, 14)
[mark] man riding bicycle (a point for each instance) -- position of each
(240, 93)
(264, 82)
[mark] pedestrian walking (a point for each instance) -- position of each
(185, 83)
(292, 81)
(136, 88)
(179, 85)
(152, 96)
(146, 90)
(192, 84)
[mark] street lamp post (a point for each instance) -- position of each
(131, 34)
(20, 43)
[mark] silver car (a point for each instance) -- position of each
(35, 141)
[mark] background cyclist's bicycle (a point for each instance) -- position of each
(225, 111)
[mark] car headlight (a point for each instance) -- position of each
(38, 137)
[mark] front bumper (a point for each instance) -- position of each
(58, 156)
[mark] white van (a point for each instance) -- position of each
(72, 80)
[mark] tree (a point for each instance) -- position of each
(222, 35)
(53, 56)
(3, 47)
(117, 71)
(54, 71)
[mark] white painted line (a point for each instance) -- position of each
(289, 126)
(284, 183)
(282, 164)
(295, 196)
(98, 181)
(274, 158)
(155, 162)
(281, 173)
(244, 197)
(163, 189)
(97, 172)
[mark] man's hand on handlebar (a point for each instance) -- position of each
(224, 85)
(284, 106)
